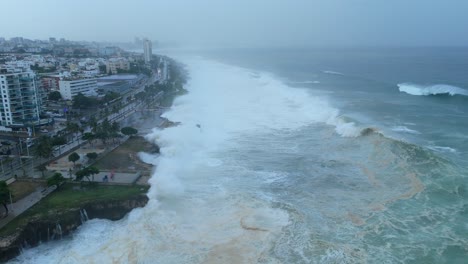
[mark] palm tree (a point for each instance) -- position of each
(72, 128)
(93, 124)
(44, 147)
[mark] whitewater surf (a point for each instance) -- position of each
(260, 172)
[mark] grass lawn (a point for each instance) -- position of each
(125, 157)
(20, 189)
(70, 196)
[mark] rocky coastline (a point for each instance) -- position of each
(56, 225)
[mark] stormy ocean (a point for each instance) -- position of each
(301, 156)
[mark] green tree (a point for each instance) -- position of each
(86, 172)
(72, 127)
(114, 130)
(103, 131)
(93, 123)
(42, 168)
(55, 96)
(81, 174)
(4, 195)
(74, 157)
(114, 127)
(57, 179)
(57, 141)
(92, 155)
(129, 131)
(109, 96)
(93, 171)
(89, 137)
(44, 147)
(81, 101)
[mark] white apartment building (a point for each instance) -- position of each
(72, 87)
(20, 101)
(148, 53)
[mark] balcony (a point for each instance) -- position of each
(25, 79)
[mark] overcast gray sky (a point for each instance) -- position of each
(242, 22)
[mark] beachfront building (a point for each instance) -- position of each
(70, 87)
(20, 101)
(148, 53)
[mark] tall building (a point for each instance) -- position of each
(20, 101)
(72, 87)
(147, 47)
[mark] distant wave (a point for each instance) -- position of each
(333, 72)
(306, 82)
(442, 149)
(438, 89)
(405, 130)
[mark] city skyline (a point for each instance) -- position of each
(245, 23)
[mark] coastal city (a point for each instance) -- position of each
(233, 132)
(71, 115)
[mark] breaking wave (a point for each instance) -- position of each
(442, 149)
(305, 82)
(405, 130)
(438, 89)
(333, 72)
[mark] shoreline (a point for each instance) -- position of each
(31, 228)
(39, 224)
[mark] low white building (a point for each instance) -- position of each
(72, 87)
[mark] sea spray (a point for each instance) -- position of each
(257, 171)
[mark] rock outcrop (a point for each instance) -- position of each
(55, 225)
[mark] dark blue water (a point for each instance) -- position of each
(423, 135)
(363, 83)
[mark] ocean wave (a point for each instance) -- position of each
(305, 82)
(333, 72)
(442, 149)
(405, 130)
(437, 89)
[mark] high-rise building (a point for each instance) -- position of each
(147, 47)
(20, 101)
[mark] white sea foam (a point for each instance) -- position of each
(305, 82)
(415, 89)
(405, 130)
(147, 158)
(194, 213)
(333, 72)
(442, 149)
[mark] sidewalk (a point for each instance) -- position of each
(118, 178)
(21, 206)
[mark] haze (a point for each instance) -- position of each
(242, 22)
